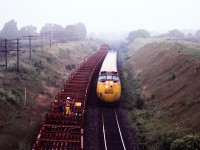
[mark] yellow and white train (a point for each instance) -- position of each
(108, 85)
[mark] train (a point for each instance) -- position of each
(108, 84)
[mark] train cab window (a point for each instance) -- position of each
(102, 78)
(115, 78)
(109, 77)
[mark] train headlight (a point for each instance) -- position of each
(111, 82)
(106, 86)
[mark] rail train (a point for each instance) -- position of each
(108, 84)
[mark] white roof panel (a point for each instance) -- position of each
(110, 62)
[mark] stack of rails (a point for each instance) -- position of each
(65, 131)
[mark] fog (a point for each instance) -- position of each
(105, 15)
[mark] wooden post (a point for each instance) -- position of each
(50, 39)
(41, 35)
(30, 44)
(17, 54)
(25, 96)
(6, 54)
(41, 41)
(30, 38)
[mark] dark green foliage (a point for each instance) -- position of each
(163, 140)
(38, 65)
(139, 102)
(127, 58)
(12, 96)
(49, 60)
(141, 136)
(70, 66)
(189, 142)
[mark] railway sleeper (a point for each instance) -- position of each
(79, 78)
(72, 94)
(78, 81)
(58, 136)
(69, 128)
(63, 120)
(74, 90)
(69, 89)
(82, 72)
(64, 144)
(74, 85)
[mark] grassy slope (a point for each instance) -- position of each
(168, 73)
(43, 76)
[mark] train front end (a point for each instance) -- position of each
(109, 88)
(108, 85)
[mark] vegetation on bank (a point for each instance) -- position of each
(147, 118)
(42, 77)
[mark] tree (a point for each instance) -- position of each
(57, 29)
(76, 32)
(176, 33)
(51, 27)
(197, 35)
(172, 33)
(70, 32)
(28, 30)
(141, 33)
(9, 30)
(81, 31)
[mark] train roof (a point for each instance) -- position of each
(110, 63)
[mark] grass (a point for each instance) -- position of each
(159, 122)
(43, 77)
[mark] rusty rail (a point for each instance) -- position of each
(63, 129)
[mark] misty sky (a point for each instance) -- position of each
(104, 15)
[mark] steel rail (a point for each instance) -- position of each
(105, 129)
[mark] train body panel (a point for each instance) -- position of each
(109, 86)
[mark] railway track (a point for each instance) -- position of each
(63, 128)
(111, 130)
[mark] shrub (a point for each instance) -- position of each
(70, 66)
(38, 65)
(12, 96)
(26, 68)
(139, 102)
(163, 140)
(189, 142)
(127, 58)
(49, 60)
